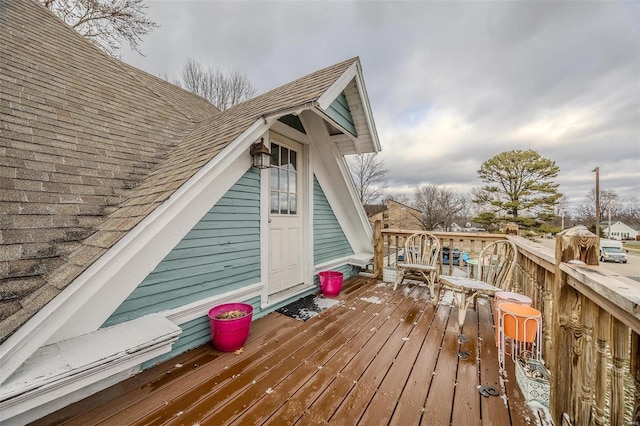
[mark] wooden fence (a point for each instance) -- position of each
(591, 320)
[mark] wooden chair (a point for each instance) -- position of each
(495, 270)
(496, 263)
(421, 251)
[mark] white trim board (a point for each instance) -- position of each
(336, 182)
(338, 86)
(359, 259)
(201, 308)
(53, 373)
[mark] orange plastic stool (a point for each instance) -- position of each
(506, 297)
(520, 322)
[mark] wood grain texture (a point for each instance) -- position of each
(379, 357)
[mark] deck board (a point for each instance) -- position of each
(387, 397)
(328, 358)
(328, 402)
(466, 404)
(359, 362)
(437, 410)
(494, 411)
(410, 408)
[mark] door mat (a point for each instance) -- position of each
(307, 307)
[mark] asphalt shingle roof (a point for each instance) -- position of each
(89, 146)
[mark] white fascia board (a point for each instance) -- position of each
(366, 106)
(338, 86)
(84, 305)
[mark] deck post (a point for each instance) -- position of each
(512, 228)
(378, 244)
(568, 329)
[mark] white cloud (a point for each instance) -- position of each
(451, 83)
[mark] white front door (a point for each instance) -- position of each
(285, 215)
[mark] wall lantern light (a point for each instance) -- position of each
(261, 154)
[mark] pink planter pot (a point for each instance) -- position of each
(228, 335)
(330, 282)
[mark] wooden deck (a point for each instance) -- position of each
(360, 362)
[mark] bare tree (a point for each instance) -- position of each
(626, 210)
(222, 90)
(586, 212)
(630, 212)
(438, 204)
(369, 175)
(107, 23)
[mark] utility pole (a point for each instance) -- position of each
(597, 170)
(609, 210)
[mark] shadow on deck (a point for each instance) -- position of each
(379, 357)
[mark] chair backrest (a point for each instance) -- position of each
(496, 263)
(422, 248)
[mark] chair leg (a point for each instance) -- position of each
(398, 280)
(463, 303)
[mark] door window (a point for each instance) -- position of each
(283, 180)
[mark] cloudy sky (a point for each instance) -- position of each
(451, 83)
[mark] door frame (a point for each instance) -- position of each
(277, 134)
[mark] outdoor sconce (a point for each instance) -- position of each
(261, 155)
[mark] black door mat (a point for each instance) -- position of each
(307, 307)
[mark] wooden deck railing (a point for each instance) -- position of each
(591, 320)
(389, 243)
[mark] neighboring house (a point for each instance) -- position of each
(395, 215)
(130, 207)
(618, 231)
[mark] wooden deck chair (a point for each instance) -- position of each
(496, 263)
(421, 251)
(495, 271)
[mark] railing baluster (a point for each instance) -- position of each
(602, 339)
(620, 355)
(589, 313)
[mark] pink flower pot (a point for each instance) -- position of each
(228, 335)
(330, 282)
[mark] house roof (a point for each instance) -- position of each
(91, 146)
(373, 209)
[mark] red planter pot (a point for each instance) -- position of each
(330, 282)
(228, 335)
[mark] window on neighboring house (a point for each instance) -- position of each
(386, 226)
(385, 214)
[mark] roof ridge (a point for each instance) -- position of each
(294, 82)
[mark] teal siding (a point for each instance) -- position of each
(329, 242)
(339, 111)
(221, 253)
